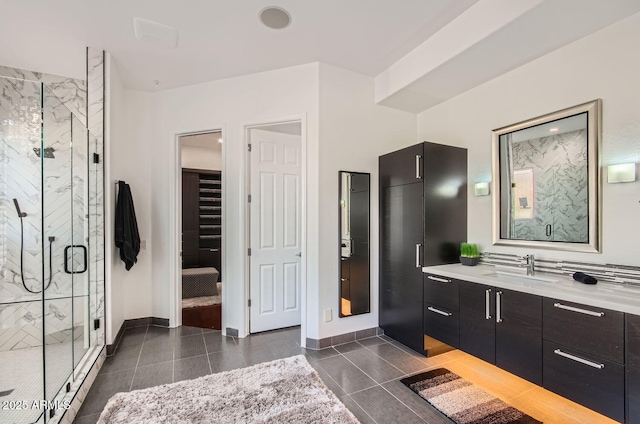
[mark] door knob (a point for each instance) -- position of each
(299, 254)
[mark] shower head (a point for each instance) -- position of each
(17, 205)
(48, 152)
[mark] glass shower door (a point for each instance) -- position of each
(65, 235)
(51, 251)
(56, 161)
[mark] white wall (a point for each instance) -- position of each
(115, 129)
(603, 65)
(201, 158)
(228, 105)
(354, 131)
(129, 154)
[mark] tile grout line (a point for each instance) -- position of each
(363, 410)
(207, 353)
(173, 363)
(407, 406)
(381, 386)
(235, 343)
(400, 400)
(388, 362)
(372, 379)
(135, 369)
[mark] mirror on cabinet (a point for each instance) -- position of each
(546, 181)
(354, 296)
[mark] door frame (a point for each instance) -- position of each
(175, 292)
(302, 119)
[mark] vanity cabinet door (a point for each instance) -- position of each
(633, 368)
(477, 320)
(519, 334)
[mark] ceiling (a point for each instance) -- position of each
(420, 52)
(216, 38)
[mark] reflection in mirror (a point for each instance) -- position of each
(546, 181)
(354, 243)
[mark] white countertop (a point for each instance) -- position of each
(606, 295)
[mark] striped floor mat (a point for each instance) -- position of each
(463, 402)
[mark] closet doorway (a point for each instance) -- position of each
(201, 235)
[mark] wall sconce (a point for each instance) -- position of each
(623, 173)
(481, 189)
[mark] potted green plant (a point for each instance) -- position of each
(469, 254)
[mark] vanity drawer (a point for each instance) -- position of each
(588, 329)
(588, 380)
(442, 291)
(442, 324)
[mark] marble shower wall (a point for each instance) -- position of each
(71, 92)
(95, 118)
(560, 177)
(21, 323)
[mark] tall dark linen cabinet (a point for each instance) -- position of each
(423, 220)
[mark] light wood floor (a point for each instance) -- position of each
(533, 400)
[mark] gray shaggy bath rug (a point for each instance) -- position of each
(283, 391)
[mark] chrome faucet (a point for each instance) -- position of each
(529, 262)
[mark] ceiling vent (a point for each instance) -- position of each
(162, 35)
(275, 17)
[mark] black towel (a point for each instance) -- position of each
(126, 227)
(584, 278)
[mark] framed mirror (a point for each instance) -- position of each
(354, 221)
(547, 182)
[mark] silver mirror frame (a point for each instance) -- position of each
(594, 116)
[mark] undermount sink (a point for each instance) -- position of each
(520, 278)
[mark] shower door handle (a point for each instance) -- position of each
(66, 259)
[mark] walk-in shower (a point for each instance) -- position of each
(51, 244)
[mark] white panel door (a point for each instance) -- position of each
(275, 239)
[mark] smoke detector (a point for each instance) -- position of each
(275, 17)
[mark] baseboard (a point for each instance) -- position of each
(160, 322)
(111, 348)
(133, 323)
(343, 338)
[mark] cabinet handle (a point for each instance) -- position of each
(213, 250)
(442, 280)
(438, 311)
(579, 310)
(344, 279)
(418, 247)
(578, 359)
(418, 173)
(548, 230)
(499, 306)
(487, 302)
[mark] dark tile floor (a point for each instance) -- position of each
(364, 374)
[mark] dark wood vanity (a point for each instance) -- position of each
(572, 349)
